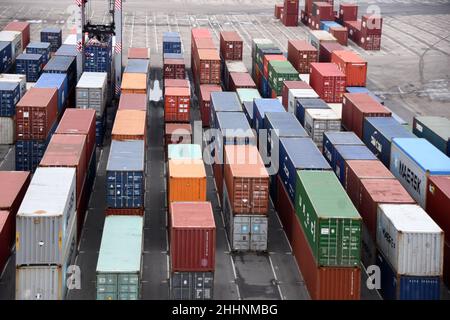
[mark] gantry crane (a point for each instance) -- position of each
(112, 28)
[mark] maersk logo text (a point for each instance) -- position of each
(410, 177)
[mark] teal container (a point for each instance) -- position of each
(184, 152)
(247, 94)
(436, 130)
(119, 260)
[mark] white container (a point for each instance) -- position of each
(318, 121)
(7, 130)
(410, 240)
(316, 37)
(44, 217)
(336, 107)
(15, 38)
(236, 66)
(295, 94)
(305, 77)
(91, 92)
(16, 78)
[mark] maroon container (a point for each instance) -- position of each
(438, 202)
(240, 81)
(138, 53)
(36, 114)
(314, 22)
(291, 7)
(177, 104)
(301, 54)
(370, 42)
(176, 83)
(326, 49)
(290, 20)
(446, 275)
(356, 107)
(309, 4)
(304, 17)
(323, 10)
(231, 45)
(348, 12)
(199, 33)
(205, 101)
(174, 69)
(22, 27)
(192, 237)
(354, 30)
(328, 81)
(341, 34)
(285, 209)
(6, 236)
(133, 101)
(207, 66)
(278, 10)
(371, 24)
(288, 85)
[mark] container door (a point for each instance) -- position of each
(350, 232)
(327, 254)
(241, 229)
(259, 228)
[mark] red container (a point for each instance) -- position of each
(341, 34)
(278, 10)
(177, 102)
(240, 81)
(309, 4)
(370, 42)
(36, 114)
(133, 101)
(138, 53)
(356, 107)
(207, 66)
(323, 10)
(231, 45)
(326, 49)
(174, 69)
(354, 67)
(348, 12)
(328, 81)
(304, 17)
(291, 6)
(358, 170)
(205, 101)
(176, 83)
(438, 202)
(218, 179)
(204, 43)
(288, 85)
(80, 122)
(314, 22)
(290, 20)
(354, 30)
(285, 209)
(371, 24)
(271, 57)
(176, 133)
(7, 235)
(379, 191)
(198, 33)
(192, 237)
(301, 54)
(23, 27)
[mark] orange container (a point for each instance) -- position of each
(134, 83)
(129, 125)
(187, 181)
(354, 67)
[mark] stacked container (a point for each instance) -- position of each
(15, 78)
(30, 65)
(177, 133)
(280, 71)
(52, 35)
(371, 29)
(317, 37)
(435, 129)
(205, 102)
(354, 67)
(5, 56)
(231, 46)
(319, 121)
(328, 81)
(9, 97)
(15, 39)
(231, 67)
(22, 27)
(301, 54)
(290, 13)
(294, 90)
(42, 48)
(98, 56)
(205, 63)
(59, 82)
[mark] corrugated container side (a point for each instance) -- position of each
(438, 202)
(186, 183)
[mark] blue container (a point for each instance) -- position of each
(401, 287)
(137, 66)
(173, 56)
(364, 90)
(171, 42)
(333, 139)
(303, 104)
(345, 153)
(378, 133)
(9, 96)
(63, 65)
(326, 25)
(52, 35)
(260, 107)
(100, 126)
(98, 56)
(125, 175)
(5, 56)
(58, 81)
(298, 154)
(266, 51)
(30, 65)
(266, 90)
(42, 48)
(68, 50)
(248, 110)
(223, 102)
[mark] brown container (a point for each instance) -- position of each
(324, 283)
(288, 85)
(359, 170)
(354, 67)
(80, 122)
(354, 30)
(134, 83)
(130, 125)
(133, 101)
(231, 45)
(20, 26)
(176, 83)
(371, 25)
(370, 42)
(205, 101)
(246, 179)
(348, 12)
(301, 54)
(218, 179)
(304, 17)
(358, 106)
(291, 6)
(177, 104)
(124, 212)
(187, 182)
(289, 20)
(379, 191)
(278, 10)
(192, 237)
(7, 236)
(174, 69)
(139, 53)
(240, 81)
(207, 66)
(328, 81)
(341, 34)
(285, 209)
(323, 10)
(36, 114)
(326, 49)
(438, 202)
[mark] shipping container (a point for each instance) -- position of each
(223, 102)
(186, 152)
(289, 87)
(176, 83)
(304, 104)
(435, 129)
(348, 12)
(410, 240)
(319, 121)
(63, 64)
(191, 285)
(172, 42)
(177, 133)
(413, 161)
(7, 130)
(42, 48)
(257, 44)
(174, 69)
(438, 202)
(371, 24)
(9, 97)
(70, 51)
(241, 81)
(100, 128)
(133, 101)
(356, 107)
(207, 65)
(30, 65)
(15, 38)
(177, 104)
(260, 107)
(176, 56)
(296, 94)
(301, 54)
(354, 67)
(91, 92)
(118, 271)
(52, 35)
(15, 78)
(326, 50)
(403, 287)
(328, 81)
(20, 26)
(134, 83)
(354, 30)
(278, 10)
(378, 134)
(138, 66)
(138, 53)
(130, 125)
(345, 153)
(231, 66)
(45, 217)
(98, 55)
(263, 51)
(247, 106)
(247, 95)
(205, 102)
(231, 45)
(36, 114)
(333, 139)
(341, 34)
(186, 182)
(58, 81)
(280, 71)
(5, 56)
(266, 60)
(6, 236)
(365, 90)
(192, 237)
(298, 154)
(316, 37)
(125, 174)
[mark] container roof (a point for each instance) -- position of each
(11, 183)
(245, 161)
(181, 169)
(409, 218)
(126, 156)
(192, 215)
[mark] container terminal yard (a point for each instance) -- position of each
(363, 162)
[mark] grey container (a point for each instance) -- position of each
(45, 216)
(319, 121)
(91, 92)
(138, 66)
(192, 285)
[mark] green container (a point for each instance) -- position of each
(247, 95)
(184, 152)
(434, 129)
(280, 71)
(328, 218)
(119, 259)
